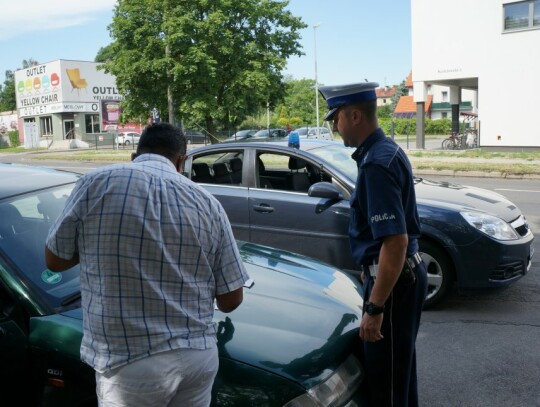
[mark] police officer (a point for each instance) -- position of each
(383, 233)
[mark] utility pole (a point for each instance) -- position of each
(170, 100)
(316, 81)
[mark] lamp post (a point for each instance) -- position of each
(316, 82)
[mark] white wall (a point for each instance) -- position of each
(464, 39)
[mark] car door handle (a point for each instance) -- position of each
(263, 208)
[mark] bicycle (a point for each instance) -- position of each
(452, 143)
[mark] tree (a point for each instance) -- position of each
(401, 90)
(219, 59)
(104, 54)
(299, 101)
(8, 99)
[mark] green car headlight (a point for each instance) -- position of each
(335, 390)
(490, 225)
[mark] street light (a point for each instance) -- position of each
(316, 82)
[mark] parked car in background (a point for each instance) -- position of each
(311, 132)
(241, 135)
(195, 137)
(322, 133)
(293, 342)
(128, 138)
(298, 200)
(269, 135)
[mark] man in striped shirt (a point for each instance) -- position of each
(155, 251)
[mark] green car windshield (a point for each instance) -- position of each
(24, 225)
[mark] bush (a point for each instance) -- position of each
(14, 138)
(440, 126)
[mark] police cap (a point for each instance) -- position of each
(337, 96)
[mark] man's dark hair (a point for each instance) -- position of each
(369, 108)
(163, 139)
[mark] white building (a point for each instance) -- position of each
(437, 104)
(488, 46)
(66, 100)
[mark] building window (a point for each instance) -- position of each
(522, 15)
(444, 96)
(45, 126)
(444, 115)
(92, 123)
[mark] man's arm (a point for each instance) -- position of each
(391, 261)
(55, 263)
(230, 301)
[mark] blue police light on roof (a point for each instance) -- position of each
(294, 139)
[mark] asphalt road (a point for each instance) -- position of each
(476, 349)
(482, 349)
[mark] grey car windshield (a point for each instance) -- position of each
(339, 157)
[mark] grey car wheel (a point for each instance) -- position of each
(440, 272)
(127, 142)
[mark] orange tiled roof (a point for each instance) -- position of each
(385, 93)
(408, 81)
(406, 104)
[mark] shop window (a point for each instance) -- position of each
(92, 123)
(522, 15)
(45, 126)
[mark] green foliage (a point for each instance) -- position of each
(401, 90)
(401, 126)
(408, 126)
(385, 112)
(14, 138)
(221, 59)
(299, 100)
(440, 126)
(104, 54)
(8, 100)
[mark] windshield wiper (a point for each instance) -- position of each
(70, 299)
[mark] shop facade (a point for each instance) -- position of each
(67, 100)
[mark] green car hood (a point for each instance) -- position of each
(299, 318)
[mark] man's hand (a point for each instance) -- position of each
(58, 264)
(370, 327)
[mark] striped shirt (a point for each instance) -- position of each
(154, 251)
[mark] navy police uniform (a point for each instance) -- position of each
(384, 204)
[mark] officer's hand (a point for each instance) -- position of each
(362, 277)
(370, 328)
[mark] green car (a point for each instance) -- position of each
(293, 342)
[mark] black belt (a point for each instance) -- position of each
(371, 269)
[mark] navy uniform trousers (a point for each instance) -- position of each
(391, 362)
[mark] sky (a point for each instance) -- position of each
(355, 39)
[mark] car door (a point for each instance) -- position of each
(13, 340)
(288, 218)
(215, 171)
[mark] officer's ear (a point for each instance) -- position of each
(356, 115)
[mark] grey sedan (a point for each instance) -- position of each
(298, 200)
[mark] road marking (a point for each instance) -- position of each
(515, 190)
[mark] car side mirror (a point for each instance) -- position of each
(325, 190)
